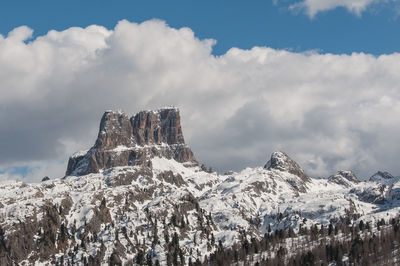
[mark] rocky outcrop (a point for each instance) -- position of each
(115, 130)
(383, 177)
(124, 141)
(280, 161)
(158, 127)
(344, 178)
(373, 194)
(31, 236)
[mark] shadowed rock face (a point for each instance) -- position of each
(124, 141)
(282, 162)
(381, 175)
(115, 130)
(163, 126)
(344, 178)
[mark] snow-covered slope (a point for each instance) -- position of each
(167, 205)
(384, 177)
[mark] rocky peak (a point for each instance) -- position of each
(381, 175)
(156, 127)
(282, 162)
(115, 130)
(124, 141)
(289, 170)
(384, 178)
(344, 178)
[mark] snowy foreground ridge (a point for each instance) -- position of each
(139, 196)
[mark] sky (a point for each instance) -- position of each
(317, 79)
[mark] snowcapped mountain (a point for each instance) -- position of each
(384, 178)
(139, 196)
(344, 178)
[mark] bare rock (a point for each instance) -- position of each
(381, 175)
(125, 176)
(282, 162)
(375, 194)
(156, 127)
(115, 130)
(171, 130)
(124, 141)
(344, 178)
(101, 216)
(169, 177)
(385, 178)
(147, 128)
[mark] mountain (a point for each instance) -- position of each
(384, 177)
(138, 196)
(124, 141)
(344, 178)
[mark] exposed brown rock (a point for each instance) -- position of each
(126, 142)
(115, 130)
(66, 205)
(171, 126)
(127, 177)
(169, 177)
(156, 127)
(101, 216)
(21, 242)
(147, 128)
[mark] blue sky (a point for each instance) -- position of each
(233, 23)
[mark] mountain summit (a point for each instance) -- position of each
(124, 141)
(344, 178)
(280, 161)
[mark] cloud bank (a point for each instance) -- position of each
(329, 112)
(312, 7)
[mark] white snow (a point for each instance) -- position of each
(255, 198)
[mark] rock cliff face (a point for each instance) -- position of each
(124, 141)
(115, 130)
(159, 127)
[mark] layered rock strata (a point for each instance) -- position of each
(124, 141)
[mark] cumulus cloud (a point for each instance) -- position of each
(312, 7)
(329, 112)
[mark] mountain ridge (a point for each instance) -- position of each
(138, 195)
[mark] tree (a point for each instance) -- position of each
(173, 219)
(116, 234)
(140, 257)
(182, 222)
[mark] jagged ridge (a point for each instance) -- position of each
(142, 200)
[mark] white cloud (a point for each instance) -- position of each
(329, 112)
(312, 7)
(33, 171)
